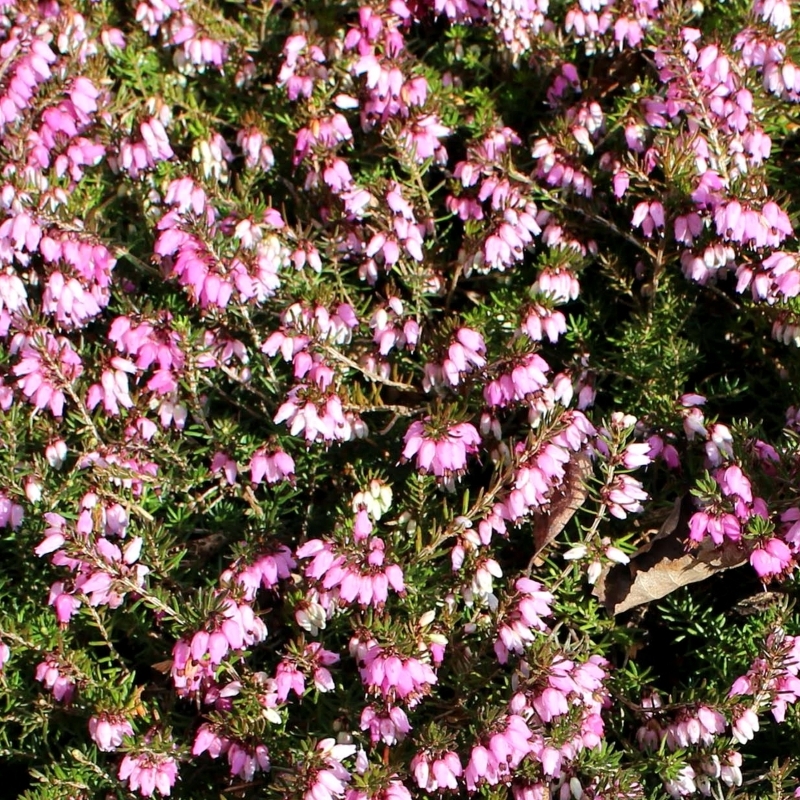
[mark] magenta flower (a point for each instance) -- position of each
(771, 558)
(717, 526)
(493, 760)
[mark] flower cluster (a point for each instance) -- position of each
(352, 356)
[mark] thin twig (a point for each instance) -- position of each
(368, 373)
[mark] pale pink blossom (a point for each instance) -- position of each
(108, 730)
(440, 449)
(146, 773)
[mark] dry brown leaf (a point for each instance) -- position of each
(568, 498)
(663, 565)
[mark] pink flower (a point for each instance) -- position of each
(11, 513)
(420, 138)
(393, 790)
(637, 455)
(683, 784)
(624, 496)
(777, 13)
(57, 677)
(5, 654)
(464, 355)
(274, 465)
(541, 322)
(108, 730)
(441, 449)
(246, 760)
(745, 725)
(149, 772)
(395, 676)
(327, 776)
(194, 662)
(515, 631)
(64, 602)
(526, 380)
(207, 739)
(222, 462)
(288, 678)
(319, 417)
(47, 364)
(435, 773)
(113, 390)
(494, 760)
(771, 558)
(56, 453)
(648, 216)
(688, 227)
(348, 577)
(550, 704)
(718, 527)
(388, 725)
(693, 726)
(266, 570)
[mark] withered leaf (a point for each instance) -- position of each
(759, 603)
(568, 498)
(663, 565)
(206, 546)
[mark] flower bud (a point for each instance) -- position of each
(56, 454)
(427, 618)
(33, 490)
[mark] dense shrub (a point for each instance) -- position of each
(399, 399)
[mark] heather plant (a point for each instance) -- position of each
(398, 399)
